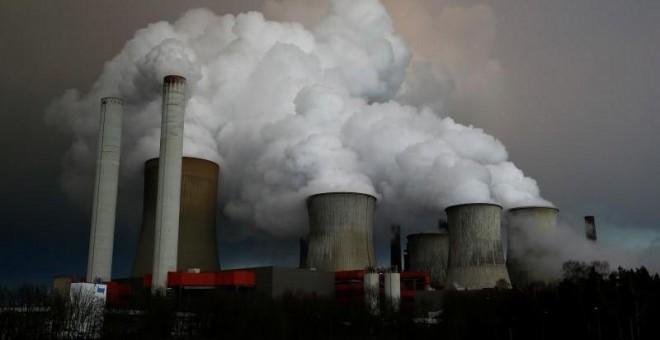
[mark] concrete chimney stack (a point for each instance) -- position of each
(590, 228)
(395, 247)
(101, 238)
(169, 181)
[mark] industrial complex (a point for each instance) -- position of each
(178, 251)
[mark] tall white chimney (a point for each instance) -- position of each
(169, 181)
(101, 238)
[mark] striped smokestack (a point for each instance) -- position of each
(169, 181)
(101, 238)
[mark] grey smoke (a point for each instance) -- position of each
(546, 251)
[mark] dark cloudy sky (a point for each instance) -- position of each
(578, 110)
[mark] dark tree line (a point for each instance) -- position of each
(590, 302)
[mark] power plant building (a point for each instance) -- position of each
(476, 259)
(429, 252)
(340, 231)
(525, 224)
(197, 237)
(102, 232)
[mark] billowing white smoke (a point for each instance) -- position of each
(288, 112)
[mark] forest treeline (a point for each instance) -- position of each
(590, 302)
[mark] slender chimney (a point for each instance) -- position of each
(406, 260)
(101, 238)
(168, 202)
(303, 253)
(395, 247)
(590, 228)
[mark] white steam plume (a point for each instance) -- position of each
(288, 112)
(544, 251)
(451, 71)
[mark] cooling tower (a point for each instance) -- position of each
(524, 225)
(428, 252)
(590, 228)
(476, 259)
(340, 231)
(197, 242)
(102, 233)
(169, 181)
